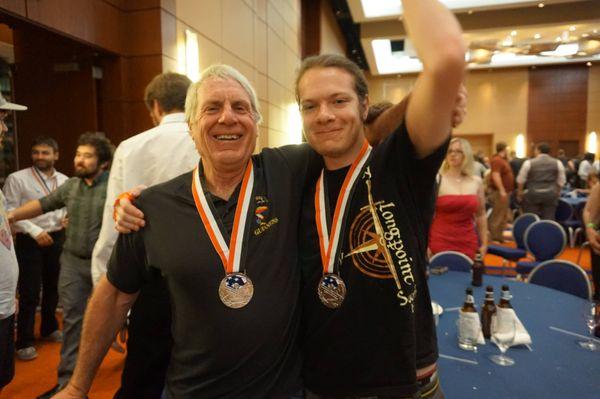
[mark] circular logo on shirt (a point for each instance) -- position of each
(367, 247)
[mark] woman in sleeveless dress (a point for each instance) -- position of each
(460, 222)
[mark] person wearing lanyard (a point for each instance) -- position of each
(38, 244)
(83, 196)
(368, 324)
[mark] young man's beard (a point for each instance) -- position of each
(85, 173)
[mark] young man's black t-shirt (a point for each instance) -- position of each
(219, 352)
(374, 343)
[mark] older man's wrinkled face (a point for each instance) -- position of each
(225, 128)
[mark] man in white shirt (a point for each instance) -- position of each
(38, 244)
(9, 272)
(544, 177)
(585, 167)
(149, 158)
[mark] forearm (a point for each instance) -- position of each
(498, 182)
(28, 210)
(482, 228)
(105, 315)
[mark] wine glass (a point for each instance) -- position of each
(592, 320)
(503, 335)
(467, 334)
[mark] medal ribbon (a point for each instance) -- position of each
(329, 241)
(38, 176)
(230, 255)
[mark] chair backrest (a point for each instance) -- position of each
(452, 260)
(563, 276)
(545, 240)
(564, 211)
(520, 225)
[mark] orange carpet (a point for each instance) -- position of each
(35, 377)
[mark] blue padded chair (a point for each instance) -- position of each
(564, 211)
(574, 224)
(545, 240)
(508, 254)
(453, 260)
(563, 276)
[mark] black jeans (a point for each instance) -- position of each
(38, 266)
(7, 350)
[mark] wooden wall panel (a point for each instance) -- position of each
(62, 104)
(557, 107)
(92, 21)
(14, 6)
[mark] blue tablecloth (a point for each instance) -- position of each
(556, 368)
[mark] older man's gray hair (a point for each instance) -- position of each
(221, 71)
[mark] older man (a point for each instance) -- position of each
(225, 239)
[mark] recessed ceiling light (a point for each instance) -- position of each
(541, 5)
(572, 28)
(585, 35)
(470, 12)
(589, 64)
(513, 33)
(558, 39)
(537, 36)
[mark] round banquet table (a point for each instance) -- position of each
(555, 368)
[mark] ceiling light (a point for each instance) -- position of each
(513, 33)
(589, 64)
(541, 5)
(558, 39)
(572, 28)
(585, 35)
(537, 36)
(564, 50)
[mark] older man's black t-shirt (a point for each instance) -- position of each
(220, 352)
(373, 344)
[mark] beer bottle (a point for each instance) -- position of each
(469, 305)
(505, 298)
(487, 310)
(477, 270)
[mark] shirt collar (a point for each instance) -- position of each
(45, 176)
(173, 118)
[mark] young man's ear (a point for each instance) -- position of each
(364, 108)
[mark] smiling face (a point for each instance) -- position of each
(224, 128)
(332, 114)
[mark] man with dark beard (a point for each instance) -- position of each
(84, 197)
(38, 244)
